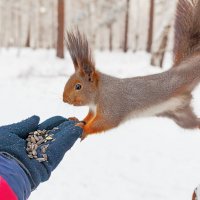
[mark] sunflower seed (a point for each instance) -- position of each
(49, 138)
(40, 159)
(40, 142)
(36, 138)
(43, 150)
(34, 153)
(40, 137)
(32, 147)
(28, 143)
(36, 146)
(33, 140)
(45, 157)
(46, 146)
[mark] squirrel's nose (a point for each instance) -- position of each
(66, 99)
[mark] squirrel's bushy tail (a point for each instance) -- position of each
(187, 30)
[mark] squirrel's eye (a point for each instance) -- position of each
(78, 86)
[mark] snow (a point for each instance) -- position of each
(149, 158)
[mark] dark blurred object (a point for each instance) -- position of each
(194, 196)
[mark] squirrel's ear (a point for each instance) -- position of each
(88, 70)
(81, 54)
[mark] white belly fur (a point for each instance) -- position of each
(173, 104)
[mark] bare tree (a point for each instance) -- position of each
(120, 24)
(151, 23)
(110, 37)
(27, 44)
(125, 47)
(60, 35)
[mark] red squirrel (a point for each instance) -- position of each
(113, 101)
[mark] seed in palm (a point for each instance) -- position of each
(37, 139)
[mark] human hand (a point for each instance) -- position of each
(13, 144)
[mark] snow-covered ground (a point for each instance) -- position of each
(143, 159)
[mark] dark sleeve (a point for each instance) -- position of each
(16, 178)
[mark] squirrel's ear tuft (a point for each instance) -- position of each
(89, 71)
(80, 53)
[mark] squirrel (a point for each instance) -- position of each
(113, 101)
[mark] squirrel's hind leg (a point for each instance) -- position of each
(185, 118)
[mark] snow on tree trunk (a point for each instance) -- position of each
(60, 35)
(158, 56)
(164, 14)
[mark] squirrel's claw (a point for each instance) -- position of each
(83, 137)
(82, 124)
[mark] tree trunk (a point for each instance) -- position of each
(150, 30)
(125, 48)
(136, 43)
(110, 37)
(158, 56)
(28, 40)
(60, 35)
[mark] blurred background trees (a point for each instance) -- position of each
(125, 25)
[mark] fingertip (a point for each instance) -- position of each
(70, 128)
(70, 124)
(33, 121)
(24, 127)
(52, 122)
(77, 131)
(36, 119)
(66, 124)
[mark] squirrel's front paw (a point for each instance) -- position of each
(73, 119)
